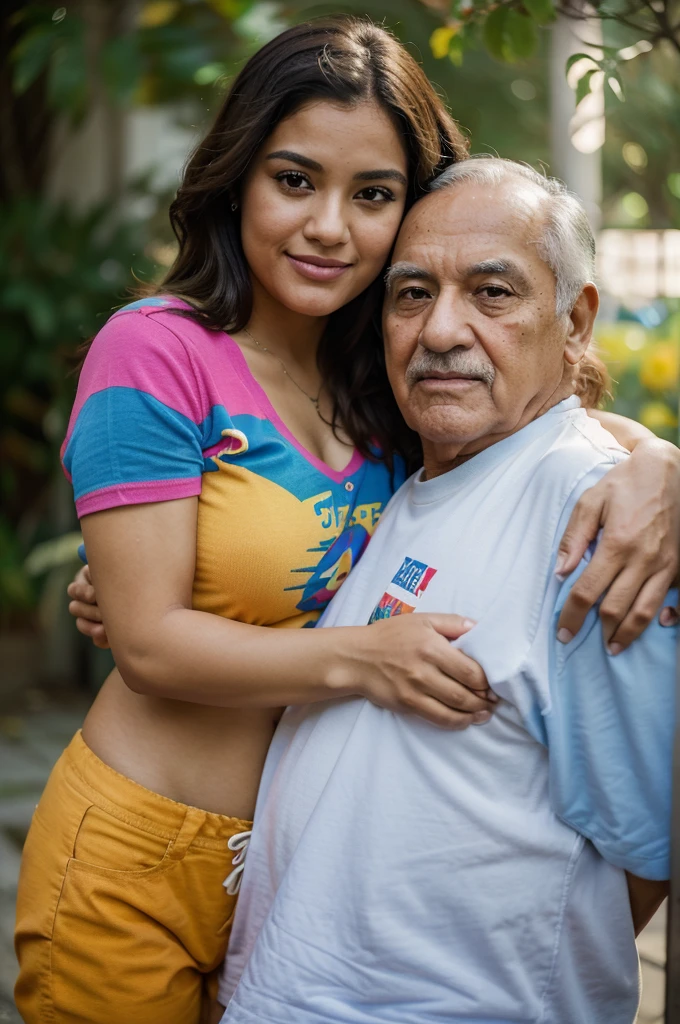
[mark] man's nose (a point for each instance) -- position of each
(448, 324)
(328, 223)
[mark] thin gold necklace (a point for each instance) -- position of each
(314, 401)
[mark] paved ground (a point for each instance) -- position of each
(30, 743)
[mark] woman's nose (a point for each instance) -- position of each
(328, 224)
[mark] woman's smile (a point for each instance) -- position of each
(317, 268)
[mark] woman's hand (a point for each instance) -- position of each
(636, 560)
(83, 606)
(163, 647)
(407, 664)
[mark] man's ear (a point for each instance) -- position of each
(581, 320)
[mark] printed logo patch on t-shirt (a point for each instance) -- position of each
(389, 606)
(412, 576)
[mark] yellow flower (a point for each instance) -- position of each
(659, 369)
(441, 39)
(620, 344)
(657, 415)
(157, 13)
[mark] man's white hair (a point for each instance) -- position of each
(567, 244)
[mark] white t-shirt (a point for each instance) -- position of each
(403, 873)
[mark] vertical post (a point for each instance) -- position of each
(673, 919)
(576, 136)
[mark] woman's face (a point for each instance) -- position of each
(322, 204)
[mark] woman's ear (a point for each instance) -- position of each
(581, 321)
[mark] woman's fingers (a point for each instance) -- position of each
(637, 504)
(639, 608)
(462, 669)
(598, 575)
(81, 589)
(408, 665)
(451, 626)
(95, 631)
(669, 616)
(83, 610)
(439, 714)
(582, 529)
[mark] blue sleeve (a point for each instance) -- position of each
(136, 430)
(610, 728)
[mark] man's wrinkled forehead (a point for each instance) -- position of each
(481, 219)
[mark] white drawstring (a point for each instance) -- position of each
(239, 842)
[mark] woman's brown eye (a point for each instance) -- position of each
(293, 180)
(377, 194)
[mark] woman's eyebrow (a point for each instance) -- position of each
(390, 175)
(296, 158)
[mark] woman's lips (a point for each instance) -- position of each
(316, 268)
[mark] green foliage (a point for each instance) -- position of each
(158, 59)
(61, 274)
(510, 31)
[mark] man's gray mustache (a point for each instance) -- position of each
(448, 362)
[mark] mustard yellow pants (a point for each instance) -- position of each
(122, 916)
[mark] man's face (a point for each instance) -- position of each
(474, 350)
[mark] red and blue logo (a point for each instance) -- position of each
(413, 576)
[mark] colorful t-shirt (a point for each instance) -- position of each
(167, 409)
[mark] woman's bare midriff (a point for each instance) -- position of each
(206, 757)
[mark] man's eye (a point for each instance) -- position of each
(293, 180)
(376, 194)
(494, 291)
(414, 294)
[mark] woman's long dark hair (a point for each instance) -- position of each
(346, 60)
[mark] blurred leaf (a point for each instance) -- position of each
(122, 67)
(494, 32)
(583, 85)
(67, 83)
(457, 50)
(576, 57)
(50, 554)
(230, 9)
(521, 35)
(542, 11)
(30, 57)
(158, 12)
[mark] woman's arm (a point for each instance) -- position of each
(142, 563)
(627, 432)
(637, 506)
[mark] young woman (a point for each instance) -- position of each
(241, 475)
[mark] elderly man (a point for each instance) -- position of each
(399, 872)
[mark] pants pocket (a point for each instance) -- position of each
(105, 844)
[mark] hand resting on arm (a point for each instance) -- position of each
(637, 507)
(142, 564)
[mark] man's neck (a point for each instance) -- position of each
(440, 458)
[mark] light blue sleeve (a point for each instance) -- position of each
(610, 727)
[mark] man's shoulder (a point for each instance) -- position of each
(581, 453)
(583, 443)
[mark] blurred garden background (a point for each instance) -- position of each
(100, 103)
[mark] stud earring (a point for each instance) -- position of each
(234, 207)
